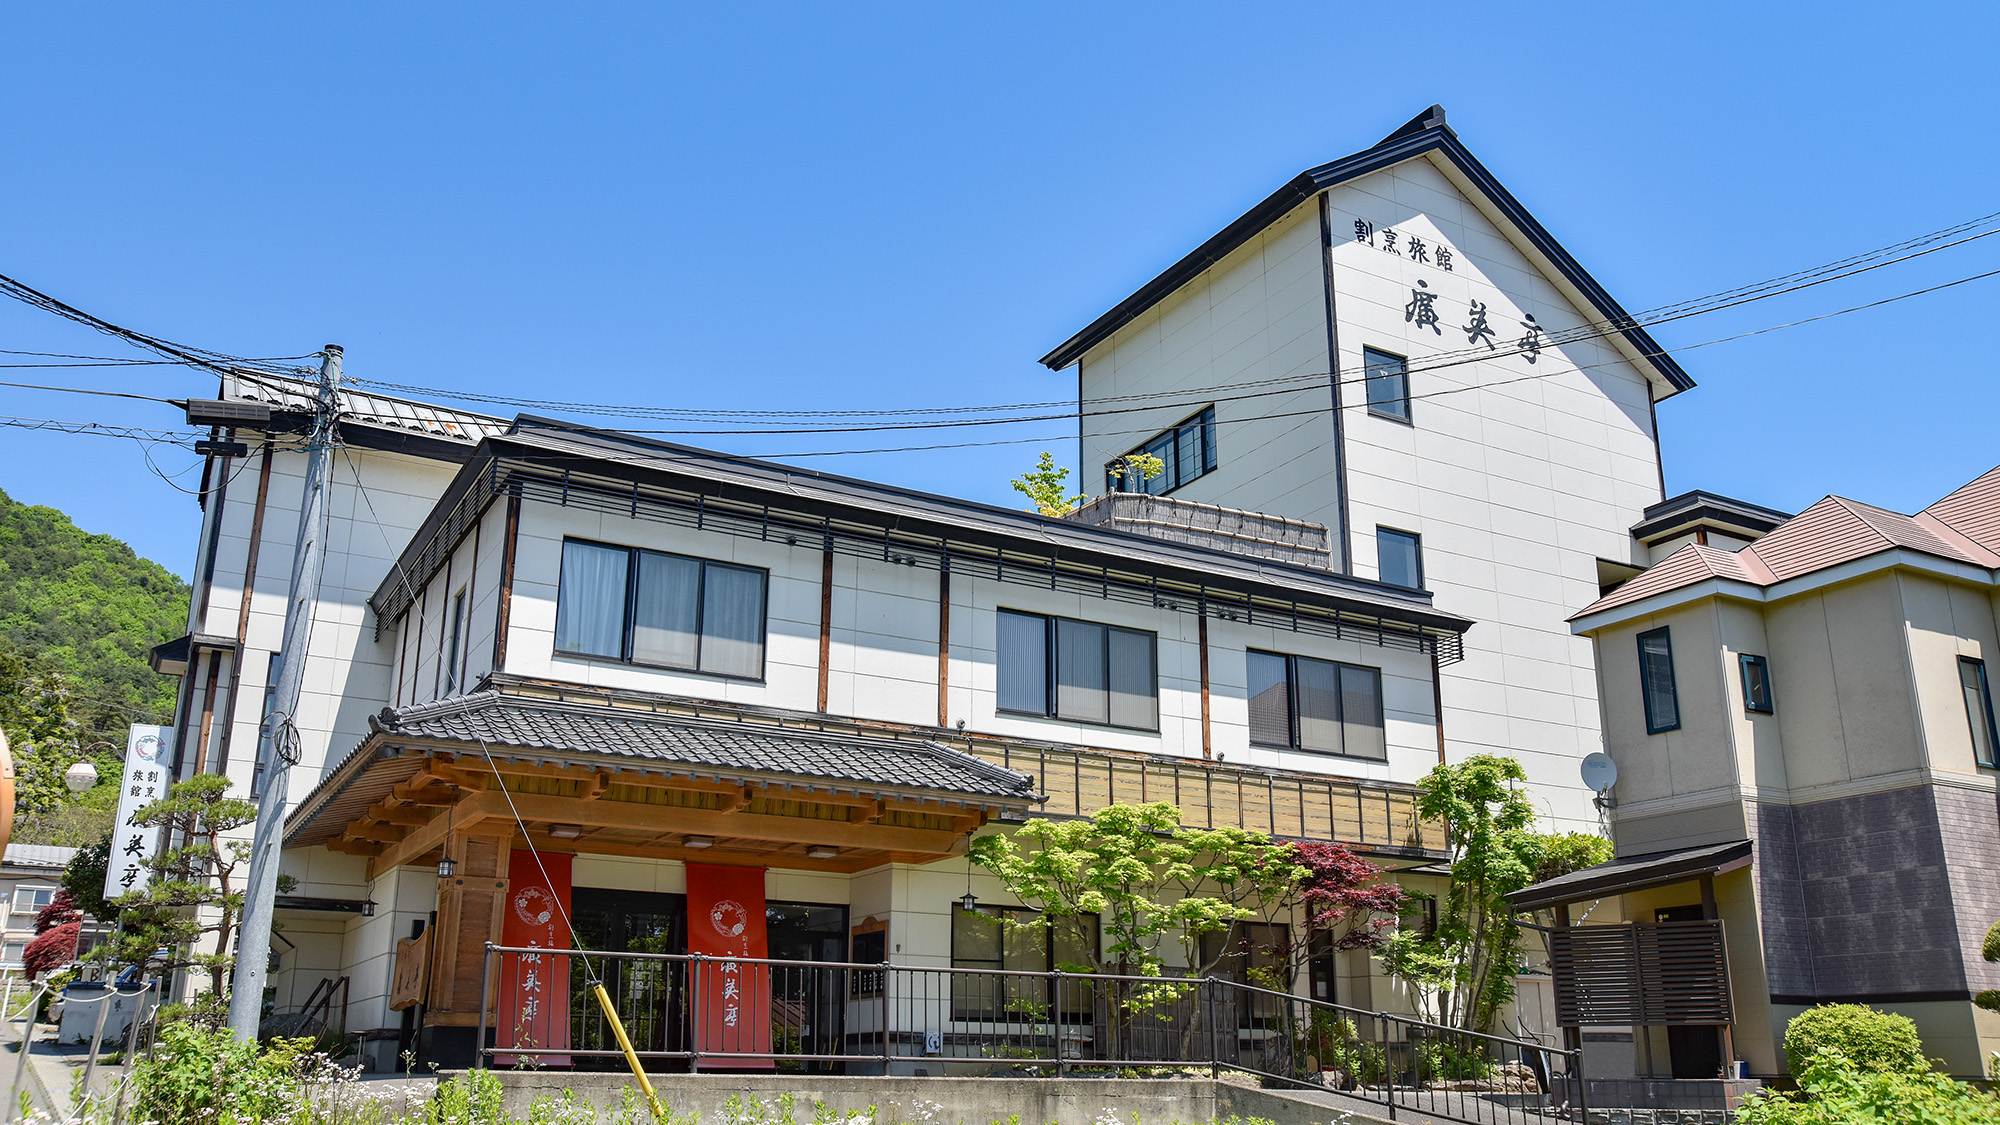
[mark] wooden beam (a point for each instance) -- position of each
(844, 863)
(353, 847)
(379, 833)
(707, 822)
(595, 787)
(429, 836)
(408, 817)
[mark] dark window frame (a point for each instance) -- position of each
(1051, 673)
(1653, 724)
(454, 651)
(1203, 423)
(1293, 736)
(1992, 760)
(632, 573)
(1769, 704)
(1394, 408)
(1416, 540)
(961, 1012)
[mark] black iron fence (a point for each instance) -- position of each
(681, 1011)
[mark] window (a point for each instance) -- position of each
(1757, 685)
(1256, 957)
(30, 900)
(1059, 668)
(1399, 557)
(1187, 451)
(451, 650)
(1656, 681)
(1002, 937)
(1299, 703)
(1388, 378)
(646, 607)
(264, 726)
(11, 952)
(1979, 710)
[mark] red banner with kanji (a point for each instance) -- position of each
(731, 1001)
(534, 989)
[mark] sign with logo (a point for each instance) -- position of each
(145, 780)
(534, 988)
(731, 1000)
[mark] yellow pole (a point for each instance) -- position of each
(631, 1056)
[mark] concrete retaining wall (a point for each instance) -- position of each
(935, 1101)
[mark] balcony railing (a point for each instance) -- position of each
(684, 1011)
(1371, 815)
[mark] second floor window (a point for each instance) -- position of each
(30, 900)
(1060, 668)
(451, 649)
(1656, 682)
(1388, 378)
(1187, 451)
(1299, 703)
(1757, 685)
(1979, 711)
(670, 611)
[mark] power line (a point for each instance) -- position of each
(1906, 250)
(85, 391)
(222, 363)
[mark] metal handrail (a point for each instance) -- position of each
(1017, 1018)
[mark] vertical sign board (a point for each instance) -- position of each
(534, 989)
(732, 1000)
(144, 781)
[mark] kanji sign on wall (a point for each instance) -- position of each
(145, 780)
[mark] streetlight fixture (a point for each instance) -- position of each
(80, 776)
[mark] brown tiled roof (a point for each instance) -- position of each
(1973, 511)
(1963, 527)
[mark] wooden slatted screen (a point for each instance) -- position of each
(1641, 974)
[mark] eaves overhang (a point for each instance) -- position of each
(1894, 558)
(1633, 873)
(563, 463)
(1425, 134)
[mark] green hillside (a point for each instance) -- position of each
(89, 608)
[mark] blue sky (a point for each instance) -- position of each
(820, 208)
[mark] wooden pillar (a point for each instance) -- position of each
(944, 644)
(1201, 634)
(470, 906)
(825, 624)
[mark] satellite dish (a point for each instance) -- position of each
(1599, 771)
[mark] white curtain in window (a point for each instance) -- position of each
(1024, 663)
(666, 611)
(1080, 683)
(1319, 705)
(732, 621)
(1135, 695)
(590, 601)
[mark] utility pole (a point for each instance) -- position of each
(253, 943)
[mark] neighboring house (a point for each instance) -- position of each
(1802, 716)
(1392, 346)
(30, 876)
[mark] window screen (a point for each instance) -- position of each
(1299, 703)
(1062, 668)
(1656, 681)
(670, 611)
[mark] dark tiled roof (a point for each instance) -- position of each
(567, 728)
(1633, 873)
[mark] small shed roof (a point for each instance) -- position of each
(1632, 873)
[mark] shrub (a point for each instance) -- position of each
(1833, 1091)
(1442, 1060)
(1870, 1040)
